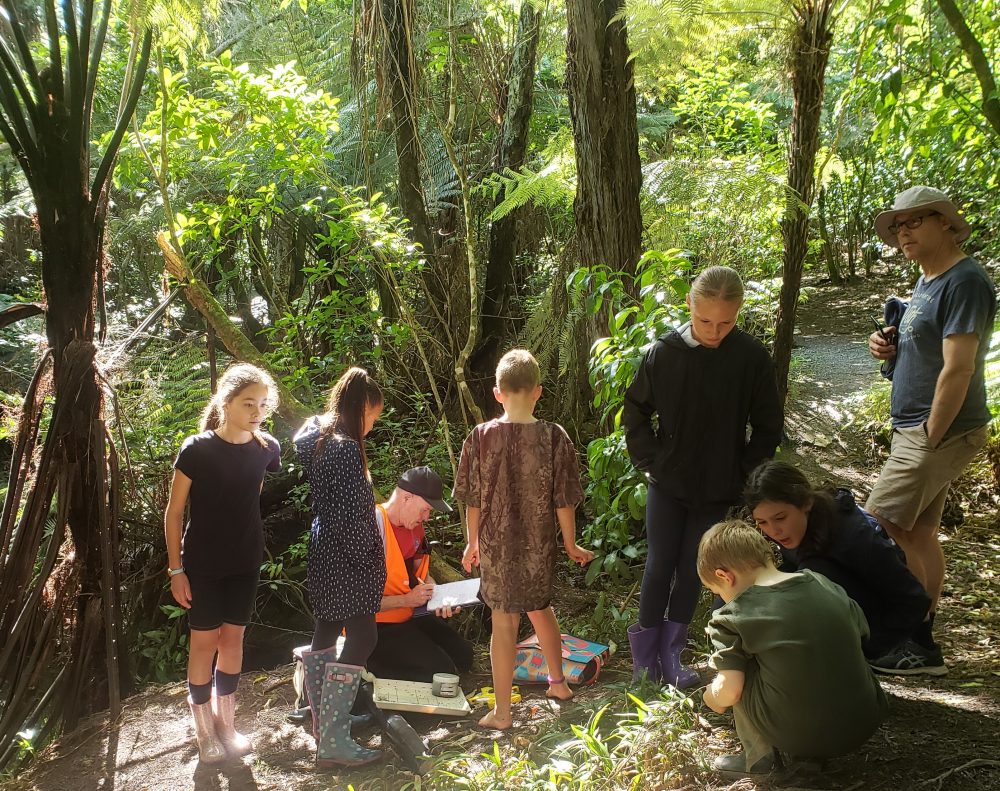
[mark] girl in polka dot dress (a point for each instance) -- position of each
(346, 562)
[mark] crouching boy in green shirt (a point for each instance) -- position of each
(788, 655)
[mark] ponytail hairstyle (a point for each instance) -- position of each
(345, 411)
(234, 381)
(718, 282)
(780, 482)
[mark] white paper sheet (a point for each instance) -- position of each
(454, 594)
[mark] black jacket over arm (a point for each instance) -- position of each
(871, 568)
(703, 399)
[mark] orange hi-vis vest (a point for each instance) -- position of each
(397, 578)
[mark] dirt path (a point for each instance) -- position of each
(937, 728)
(936, 731)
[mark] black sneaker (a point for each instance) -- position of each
(911, 659)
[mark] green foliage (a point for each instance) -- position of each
(164, 650)
(551, 186)
(616, 491)
(339, 317)
(715, 108)
(243, 140)
(626, 743)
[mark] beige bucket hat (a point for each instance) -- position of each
(916, 198)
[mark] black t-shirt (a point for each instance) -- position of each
(225, 533)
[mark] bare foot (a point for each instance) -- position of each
(495, 721)
(559, 691)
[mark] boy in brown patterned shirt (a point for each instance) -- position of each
(518, 477)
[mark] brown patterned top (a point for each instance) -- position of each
(518, 474)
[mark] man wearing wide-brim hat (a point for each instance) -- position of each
(939, 410)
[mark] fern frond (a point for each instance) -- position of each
(547, 188)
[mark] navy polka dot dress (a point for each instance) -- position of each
(346, 561)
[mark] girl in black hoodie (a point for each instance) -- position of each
(686, 415)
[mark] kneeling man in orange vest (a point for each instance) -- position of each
(413, 648)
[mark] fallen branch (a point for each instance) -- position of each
(20, 311)
(237, 344)
(273, 685)
(973, 764)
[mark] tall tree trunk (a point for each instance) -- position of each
(602, 104)
(398, 68)
(813, 31)
(70, 255)
(45, 117)
(977, 57)
(500, 285)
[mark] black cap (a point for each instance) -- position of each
(424, 482)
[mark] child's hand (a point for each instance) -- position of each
(470, 557)
(710, 701)
(578, 554)
(180, 587)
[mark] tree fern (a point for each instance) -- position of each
(548, 188)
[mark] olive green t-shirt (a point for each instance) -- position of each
(808, 689)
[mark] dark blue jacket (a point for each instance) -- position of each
(859, 556)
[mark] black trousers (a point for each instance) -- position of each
(416, 649)
(670, 584)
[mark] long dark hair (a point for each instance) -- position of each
(345, 411)
(780, 482)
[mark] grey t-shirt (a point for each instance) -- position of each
(960, 301)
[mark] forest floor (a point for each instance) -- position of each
(942, 734)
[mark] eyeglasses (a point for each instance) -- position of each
(912, 223)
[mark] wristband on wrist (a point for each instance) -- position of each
(175, 572)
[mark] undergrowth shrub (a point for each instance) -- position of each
(625, 743)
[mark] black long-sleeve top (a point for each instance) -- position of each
(704, 400)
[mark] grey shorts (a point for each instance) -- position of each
(914, 482)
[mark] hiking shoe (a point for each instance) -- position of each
(911, 659)
(735, 766)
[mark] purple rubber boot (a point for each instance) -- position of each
(673, 640)
(645, 645)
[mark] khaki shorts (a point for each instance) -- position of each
(915, 479)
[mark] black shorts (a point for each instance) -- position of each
(215, 601)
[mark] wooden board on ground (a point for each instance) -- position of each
(394, 695)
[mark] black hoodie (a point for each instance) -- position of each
(704, 400)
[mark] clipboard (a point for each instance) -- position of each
(464, 593)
